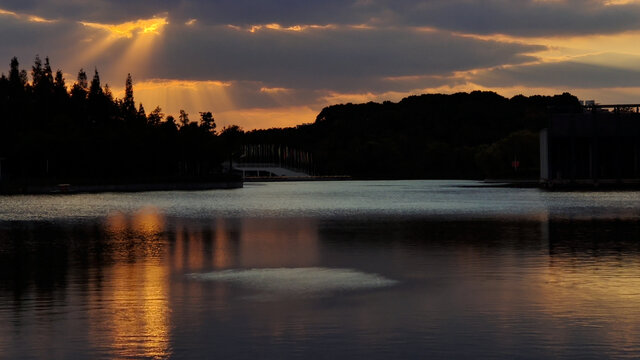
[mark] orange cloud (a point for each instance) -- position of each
(278, 27)
(275, 90)
(127, 29)
(7, 12)
(27, 17)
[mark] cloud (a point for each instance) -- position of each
(597, 71)
(238, 73)
(340, 58)
(515, 17)
(524, 17)
(252, 60)
(129, 28)
(24, 37)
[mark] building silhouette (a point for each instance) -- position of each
(600, 146)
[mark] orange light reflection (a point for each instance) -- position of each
(132, 310)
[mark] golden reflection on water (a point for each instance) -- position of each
(130, 309)
(146, 221)
(601, 293)
(136, 311)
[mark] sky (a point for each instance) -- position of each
(276, 63)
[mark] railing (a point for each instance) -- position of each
(615, 107)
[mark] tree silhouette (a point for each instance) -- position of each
(95, 90)
(141, 115)
(51, 134)
(59, 86)
(128, 107)
(183, 118)
(207, 122)
(155, 117)
(232, 138)
(17, 78)
(79, 90)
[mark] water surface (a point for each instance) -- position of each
(415, 269)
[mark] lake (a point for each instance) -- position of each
(375, 269)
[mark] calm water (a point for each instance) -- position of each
(406, 269)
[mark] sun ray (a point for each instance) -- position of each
(137, 38)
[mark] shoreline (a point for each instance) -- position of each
(297, 178)
(135, 187)
(576, 185)
(62, 189)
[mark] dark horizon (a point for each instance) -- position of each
(51, 135)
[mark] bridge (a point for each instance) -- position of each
(250, 170)
(273, 161)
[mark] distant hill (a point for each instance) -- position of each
(465, 135)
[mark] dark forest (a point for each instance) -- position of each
(52, 133)
(461, 136)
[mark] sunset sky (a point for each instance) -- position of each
(275, 63)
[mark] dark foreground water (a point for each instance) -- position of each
(371, 270)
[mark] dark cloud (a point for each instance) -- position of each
(239, 12)
(516, 17)
(308, 63)
(26, 40)
(568, 74)
(391, 55)
(523, 17)
(114, 11)
(342, 59)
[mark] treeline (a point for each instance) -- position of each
(54, 133)
(465, 136)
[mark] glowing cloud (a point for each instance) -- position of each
(621, 2)
(34, 18)
(128, 29)
(27, 17)
(276, 90)
(278, 27)
(7, 12)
